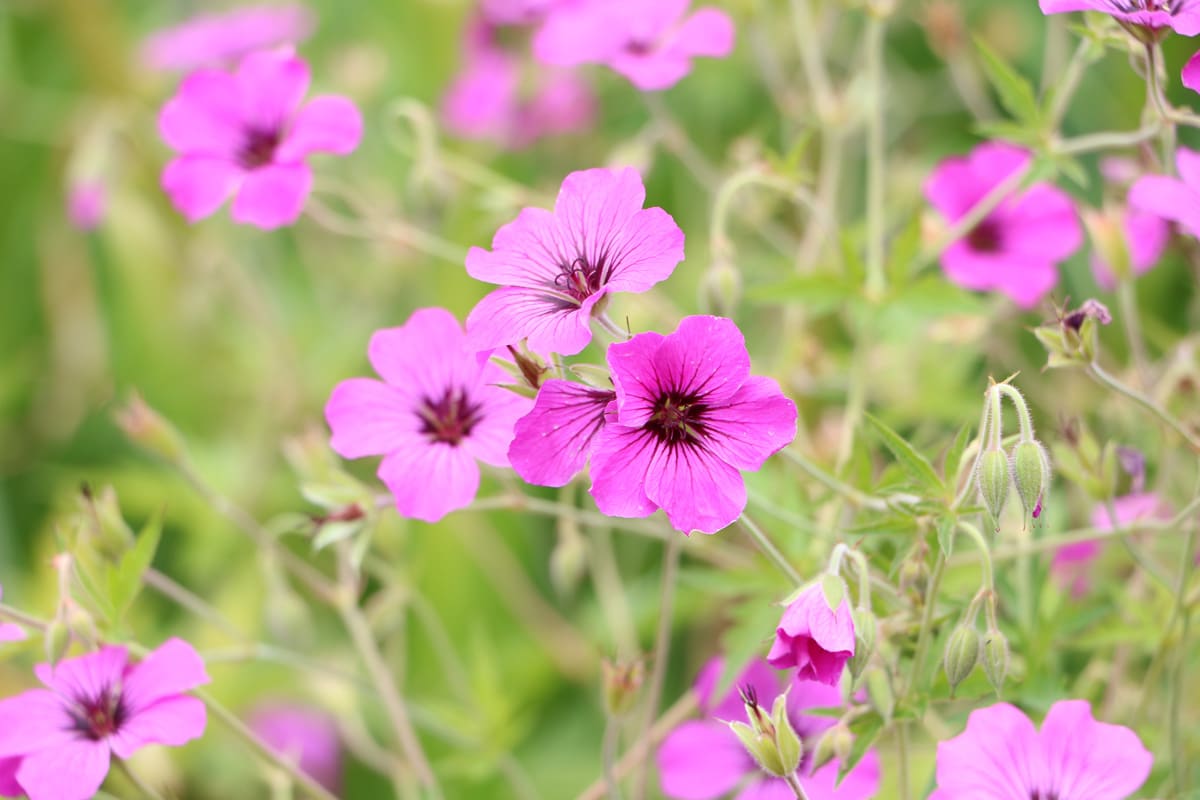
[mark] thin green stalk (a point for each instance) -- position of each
(146, 789)
(797, 789)
(989, 576)
(852, 495)
(662, 650)
(1127, 302)
(612, 739)
(190, 601)
(1143, 561)
(770, 550)
(1102, 377)
(1065, 86)
(925, 632)
(606, 577)
(902, 757)
(1175, 688)
(876, 156)
(966, 223)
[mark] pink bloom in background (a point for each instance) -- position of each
(86, 204)
(1072, 563)
(437, 410)
(704, 760)
(813, 638)
(8, 778)
(305, 736)
(687, 417)
(1176, 199)
(218, 39)
(552, 442)
(650, 43)
(1001, 756)
(97, 706)
(557, 267)
(516, 12)
(246, 134)
(8, 631)
(1146, 237)
(490, 100)
(1182, 16)
(1016, 248)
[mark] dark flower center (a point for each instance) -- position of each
(98, 717)
(450, 418)
(985, 237)
(258, 147)
(677, 418)
(580, 279)
(1038, 794)
(1131, 6)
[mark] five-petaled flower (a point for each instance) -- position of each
(1001, 755)
(1181, 16)
(246, 133)
(557, 267)
(813, 638)
(97, 706)
(1015, 248)
(686, 418)
(211, 40)
(437, 410)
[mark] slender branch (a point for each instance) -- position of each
(683, 708)
(770, 550)
(876, 156)
(986, 205)
(612, 739)
(1107, 140)
(797, 789)
(852, 495)
(662, 647)
(141, 785)
(925, 632)
(1103, 378)
(190, 601)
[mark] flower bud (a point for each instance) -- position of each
(835, 744)
(995, 659)
(147, 428)
(760, 747)
(992, 476)
(787, 741)
(56, 640)
(721, 289)
(962, 651)
(865, 629)
(771, 740)
(621, 684)
(1030, 473)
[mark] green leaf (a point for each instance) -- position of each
(915, 464)
(1015, 93)
(866, 730)
(945, 535)
(954, 456)
(125, 582)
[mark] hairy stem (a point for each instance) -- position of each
(662, 648)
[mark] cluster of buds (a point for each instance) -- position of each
(965, 648)
(1027, 466)
(769, 738)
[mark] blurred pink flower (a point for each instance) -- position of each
(1016, 248)
(556, 267)
(219, 39)
(8, 778)
(1182, 16)
(1146, 237)
(813, 638)
(1176, 199)
(1072, 563)
(551, 443)
(86, 204)
(1073, 757)
(99, 705)
(489, 99)
(8, 631)
(516, 12)
(704, 760)
(438, 409)
(246, 134)
(650, 43)
(305, 736)
(687, 418)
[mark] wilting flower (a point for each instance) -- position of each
(218, 39)
(86, 203)
(9, 632)
(1072, 562)
(651, 44)
(246, 133)
(814, 638)
(491, 99)
(557, 267)
(687, 417)
(438, 408)
(552, 442)
(304, 736)
(1176, 199)
(97, 706)
(1073, 757)
(703, 759)
(1182, 16)
(1015, 248)
(1142, 235)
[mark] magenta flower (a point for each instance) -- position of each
(97, 706)
(219, 39)
(9, 632)
(557, 267)
(246, 134)
(651, 44)
(1175, 199)
(8, 778)
(305, 736)
(86, 204)
(703, 759)
(1014, 249)
(1001, 755)
(516, 12)
(687, 418)
(551, 443)
(813, 638)
(438, 409)
(1182, 16)
(1145, 236)
(1072, 562)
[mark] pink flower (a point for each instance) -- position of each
(217, 39)
(9, 632)
(516, 12)
(703, 759)
(307, 737)
(813, 638)
(650, 43)
(1072, 562)
(97, 706)
(552, 442)
(687, 417)
(1145, 236)
(1014, 249)
(556, 267)
(489, 99)
(86, 203)
(1176, 199)
(1182, 16)
(1073, 757)
(246, 134)
(8, 778)
(437, 410)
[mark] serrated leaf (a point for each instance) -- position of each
(1016, 94)
(913, 463)
(125, 581)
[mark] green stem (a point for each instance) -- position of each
(146, 789)
(1066, 85)
(1100, 376)
(925, 632)
(966, 223)
(797, 789)
(989, 575)
(770, 550)
(1024, 420)
(1127, 302)
(876, 156)
(612, 738)
(662, 650)
(902, 756)
(851, 494)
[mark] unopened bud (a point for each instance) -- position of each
(621, 684)
(962, 651)
(865, 629)
(760, 747)
(995, 659)
(1030, 473)
(770, 740)
(147, 428)
(721, 289)
(992, 476)
(835, 744)
(787, 741)
(914, 574)
(56, 640)
(568, 563)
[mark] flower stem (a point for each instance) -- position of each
(796, 787)
(876, 156)
(640, 750)
(1102, 377)
(612, 739)
(770, 550)
(925, 632)
(989, 580)
(662, 648)
(146, 789)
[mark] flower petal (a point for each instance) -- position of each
(172, 668)
(755, 423)
(757, 675)
(997, 757)
(698, 490)
(1042, 223)
(552, 442)
(764, 787)
(705, 357)
(204, 117)
(1090, 759)
(370, 418)
(86, 676)
(401, 355)
(173, 721)
(430, 480)
(198, 185)
(271, 84)
(33, 720)
(708, 32)
(644, 251)
(8, 778)
(620, 458)
(511, 313)
(500, 408)
(273, 196)
(327, 124)
(72, 771)
(592, 208)
(1168, 198)
(635, 377)
(701, 761)
(530, 251)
